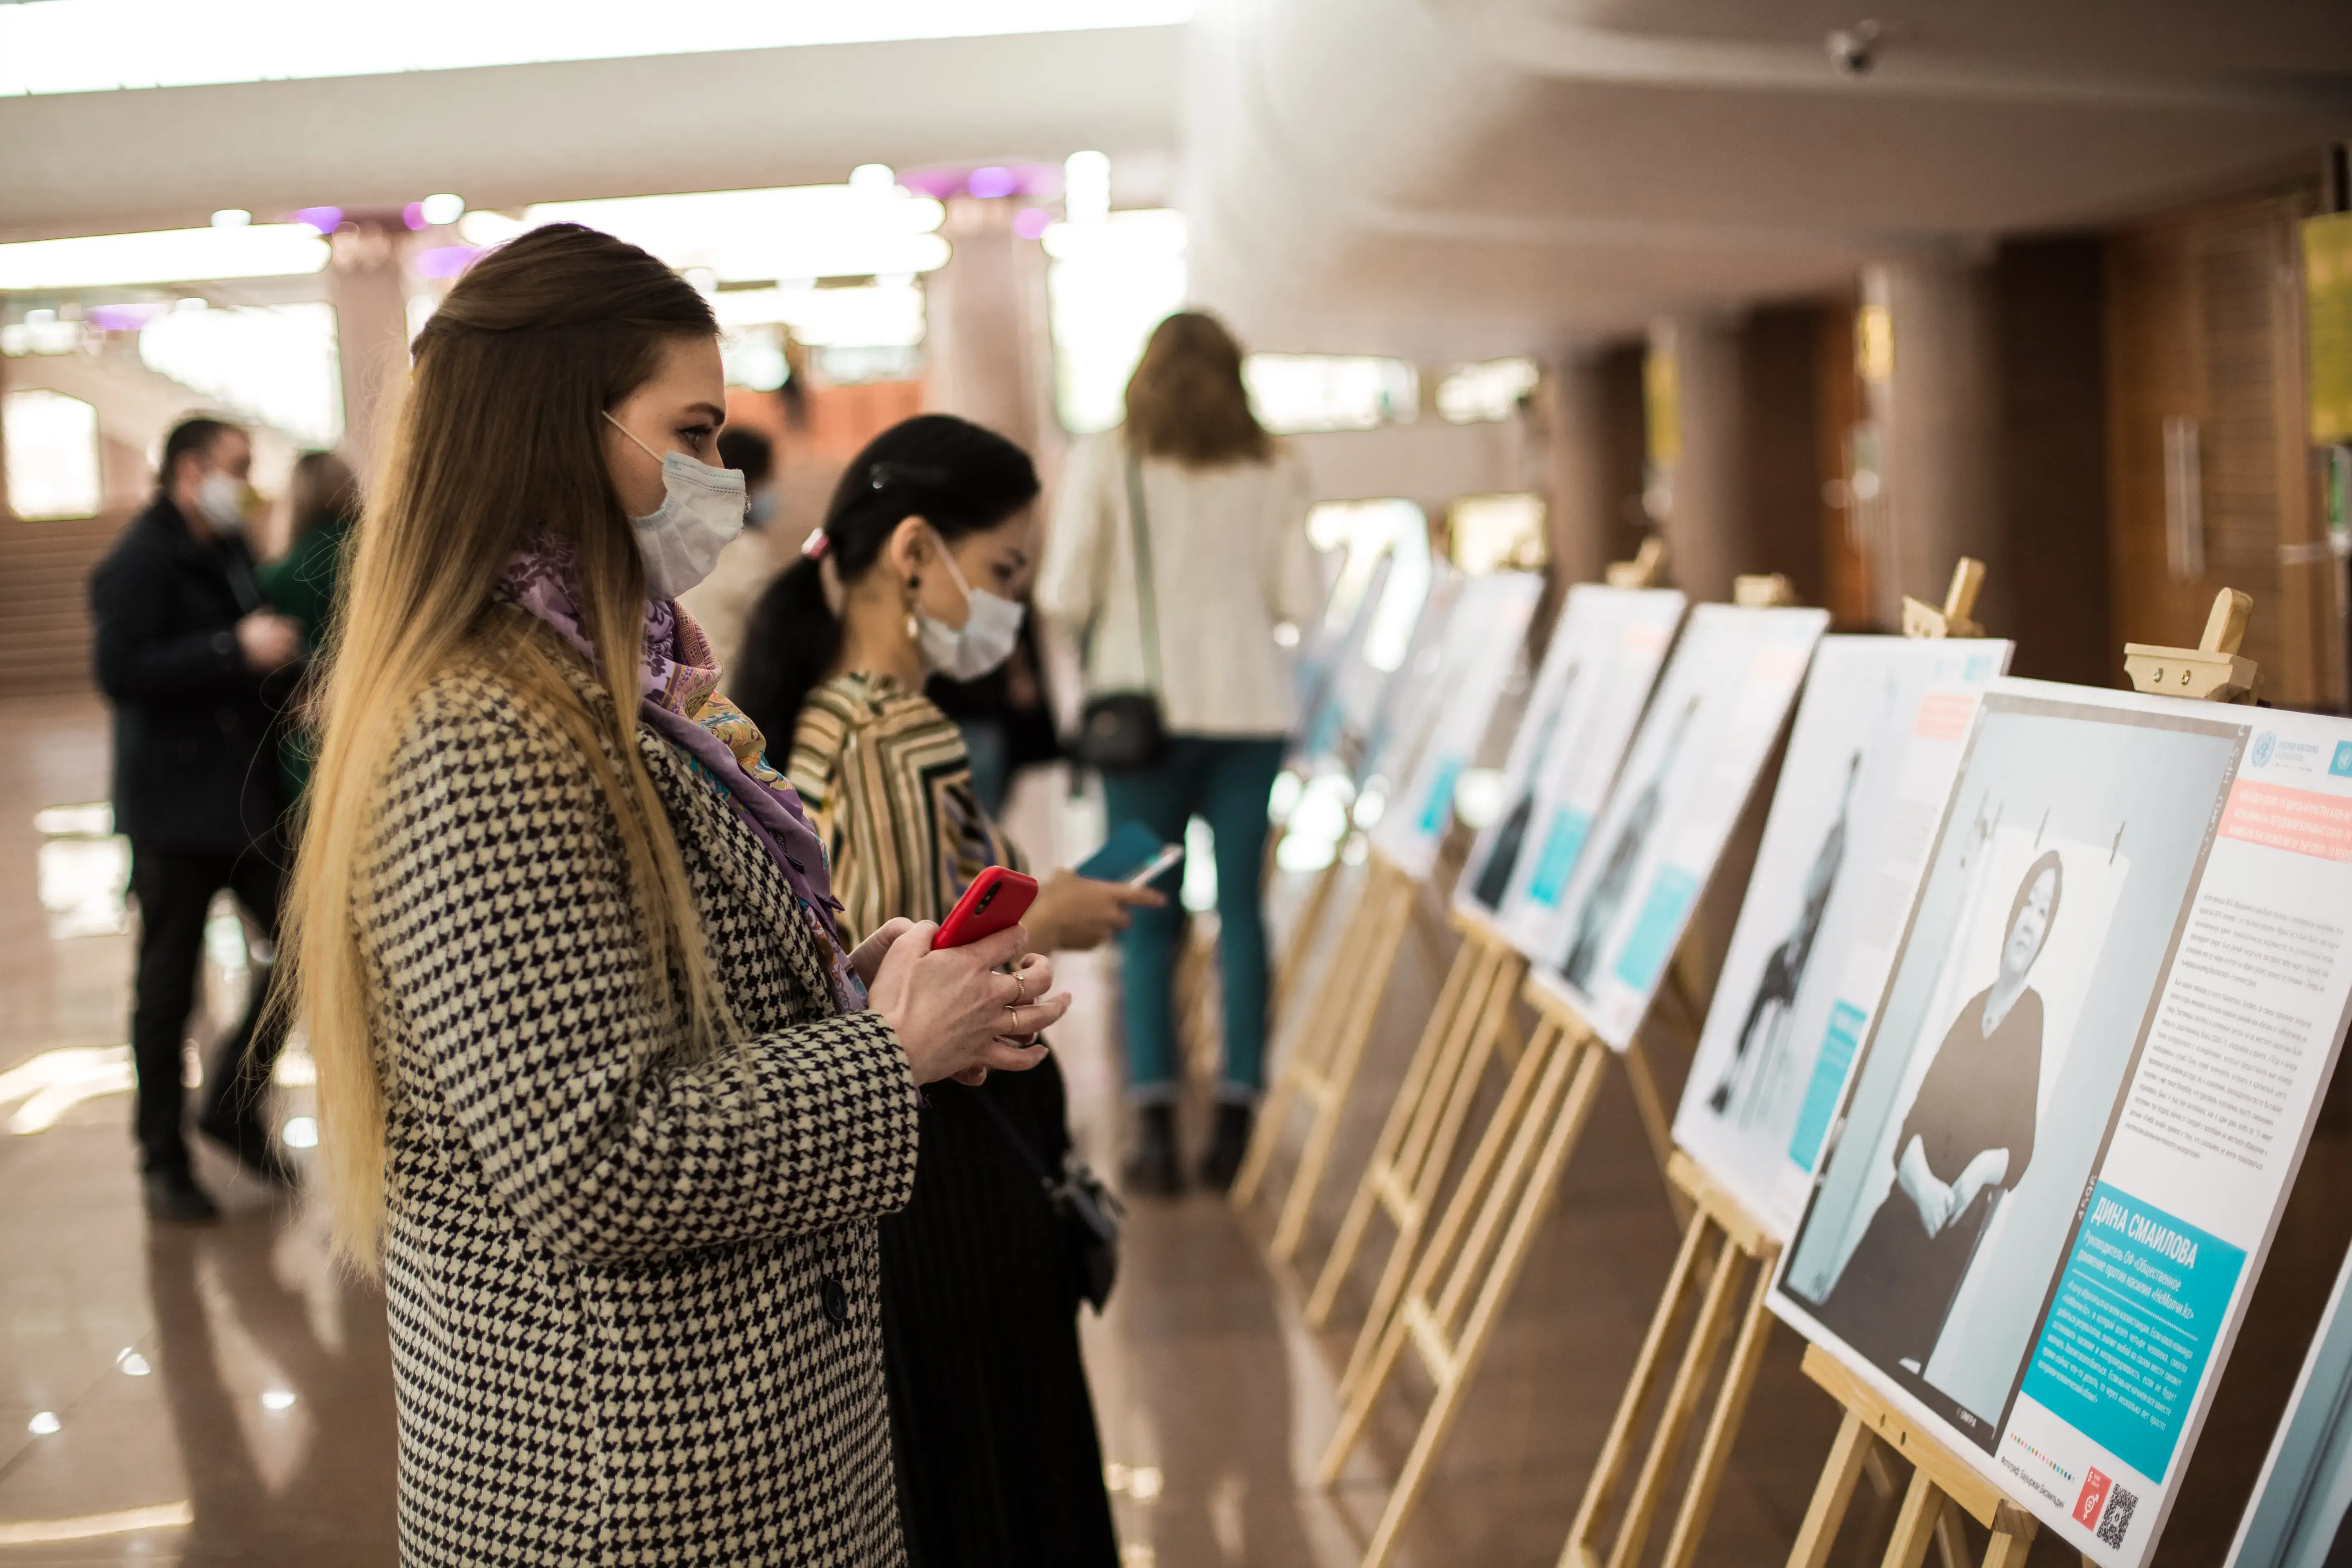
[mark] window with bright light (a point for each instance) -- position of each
(1486, 393)
(783, 235)
(95, 46)
(1300, 394)
(1497, 532)
(884, 314)
(53, 457)
(1109, 281)
(277, 364)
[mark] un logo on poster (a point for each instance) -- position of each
(2264, 743)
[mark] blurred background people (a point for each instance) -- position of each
(1222, 510)
(722, 602)
(999, 1462)
(196, 667)
(322, 506)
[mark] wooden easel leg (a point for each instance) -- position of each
(1915, 1527)
(1608, 1469)
(1404, 1260)
(1543, 1073)
(1347, 1054)
(1526, 1203)
(1431, 1060)
(1706, 1334)
(1308, 1059)
(1730, 1406)
(1655, 1121)
(1300, 945)
(1951, 1537)
(1833, 1494)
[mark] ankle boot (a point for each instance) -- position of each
(1150, 1167)
(1227, 1146)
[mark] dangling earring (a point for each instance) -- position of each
(914, 627)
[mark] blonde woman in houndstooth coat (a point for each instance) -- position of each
(602, 1096)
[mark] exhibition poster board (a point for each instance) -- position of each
(1385, 727)
(1709, 731)
(1485, 639)
(1877, 738)
(2296, 1516)
(1597, 673)
(2076, 1113)
(1334, 651)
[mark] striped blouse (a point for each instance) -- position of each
(887, 783)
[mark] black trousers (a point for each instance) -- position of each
(175, 889)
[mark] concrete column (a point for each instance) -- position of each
(1697, 440)
(364, 282)
(987, 356)
(1578, 477)
(1939, 411)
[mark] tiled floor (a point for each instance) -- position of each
(220, 1396)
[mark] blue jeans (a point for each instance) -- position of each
(1226, 780)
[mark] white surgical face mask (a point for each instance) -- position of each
(222, 500)
(701, 510)
(987, 637)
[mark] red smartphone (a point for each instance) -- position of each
(996, 899)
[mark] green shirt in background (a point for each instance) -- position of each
(301, 584)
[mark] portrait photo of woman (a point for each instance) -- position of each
(1968, 1138)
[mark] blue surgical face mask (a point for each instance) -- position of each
(762, 510)
(701, 511)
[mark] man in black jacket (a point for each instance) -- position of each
(195, 668)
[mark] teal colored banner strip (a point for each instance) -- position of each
(2138, 1309)
(1657, 927)
(1827, 1082)
(1563, 842)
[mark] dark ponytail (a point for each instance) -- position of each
(959, 478)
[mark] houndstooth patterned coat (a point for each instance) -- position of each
(634, 1304)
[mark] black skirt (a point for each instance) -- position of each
(998, 1460)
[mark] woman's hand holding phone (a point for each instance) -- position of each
(954, 1015)
(1076, 913)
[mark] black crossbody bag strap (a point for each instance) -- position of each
(1147, 598)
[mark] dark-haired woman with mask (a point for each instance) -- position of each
(913, 574)
(603, 1091)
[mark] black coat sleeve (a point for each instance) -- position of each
(130, 595)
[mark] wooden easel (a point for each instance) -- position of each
(2212, 671)
(1480, 1245)
(1762, 591)
(1320, 1068)
(1720, 1238)
(1472, 1017)
(1960, 603)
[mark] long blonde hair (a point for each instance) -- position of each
(500, 438)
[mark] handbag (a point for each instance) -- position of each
(1126, 732)
(1088, 1212)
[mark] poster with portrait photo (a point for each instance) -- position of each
(1597, 673)
(2301, 1513)
(1877, 737)
(1709, 731)
(2088, 1082)
(1486, 641)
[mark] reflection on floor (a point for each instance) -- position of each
(220, 1395)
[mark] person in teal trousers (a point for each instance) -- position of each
(1198, 618)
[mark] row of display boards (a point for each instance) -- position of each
(2010, 1065)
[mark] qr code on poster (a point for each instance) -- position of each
(2117, 1521)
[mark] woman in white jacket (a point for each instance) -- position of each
(1223, 514)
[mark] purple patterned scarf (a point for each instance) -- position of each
(679, 698)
